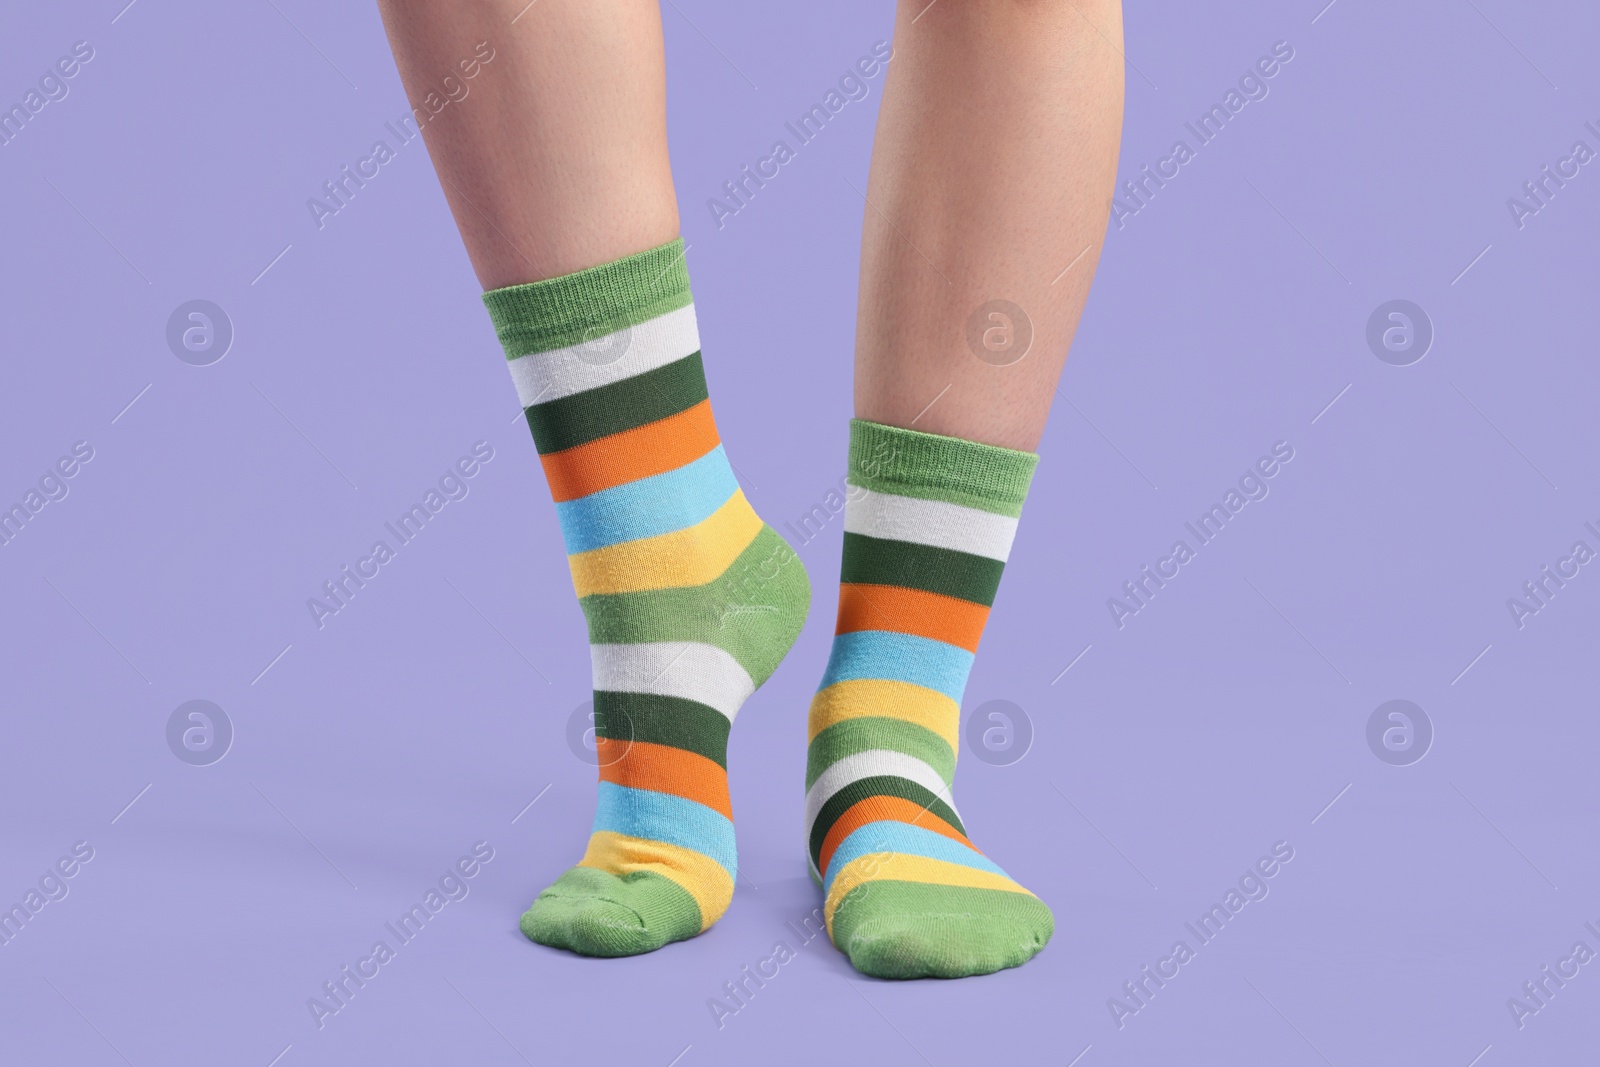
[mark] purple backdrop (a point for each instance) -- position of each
(1172, 746)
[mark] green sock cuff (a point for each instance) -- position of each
(589, 304)
(888, 459)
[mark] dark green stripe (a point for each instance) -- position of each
(883, 785)
(878, 561)
(763, 589)
(662, 720)
(559, 312)
(569, 421)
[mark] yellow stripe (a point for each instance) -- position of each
(862, 697)
(694, 555)
(701, 876)
(901, 867)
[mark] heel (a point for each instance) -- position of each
(762, 601)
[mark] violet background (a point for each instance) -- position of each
(426, 716)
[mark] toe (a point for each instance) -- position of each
(918, 930)
(596, 913)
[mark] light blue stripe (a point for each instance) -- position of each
(891, 836)
(664, 817)
(648, 507)
(899, 658)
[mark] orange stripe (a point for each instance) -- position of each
(654, 448)
(664, 769)
(911, 611)
(882, 809)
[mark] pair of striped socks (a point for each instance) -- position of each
(692, 601)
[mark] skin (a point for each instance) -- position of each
(559, 161)
(992, 171)
(991, 178)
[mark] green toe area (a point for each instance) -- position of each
(894, 929)
(596, 913)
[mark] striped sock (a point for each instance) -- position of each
(927, 531)
(691, 599)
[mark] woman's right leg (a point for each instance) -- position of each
(555, 164)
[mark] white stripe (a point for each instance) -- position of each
(859, 765)
(686, 669)
(543, 376)
(929, 522)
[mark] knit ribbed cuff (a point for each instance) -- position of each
(577, 308)
(888, 459)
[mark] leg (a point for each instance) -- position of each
(555, 165)
(557, 159)
(991, 177)
(995, 157)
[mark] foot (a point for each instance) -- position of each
(691, 599)
(927, 532)
(661, 861)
